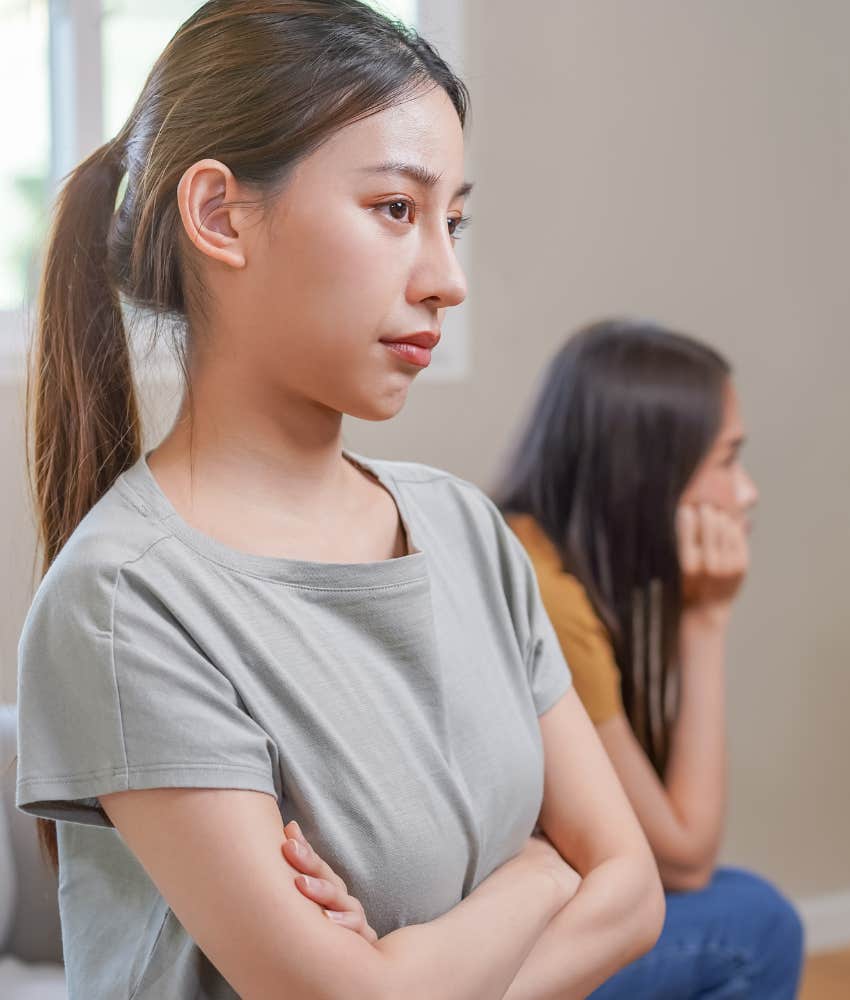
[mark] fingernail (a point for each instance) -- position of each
(296, 847)
(311, 883)
(335, 915)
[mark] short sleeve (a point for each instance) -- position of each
(585, 643)
(113, 694)
(549, 676)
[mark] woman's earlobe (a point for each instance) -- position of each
(204, 197)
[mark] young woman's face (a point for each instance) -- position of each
(721, 479)
(359, 248)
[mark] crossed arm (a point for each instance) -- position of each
(520, 935)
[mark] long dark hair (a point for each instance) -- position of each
(625, 413)
(257, 84)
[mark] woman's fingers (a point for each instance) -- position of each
(737, 548)
(301, 855)
(323, 892)
(339, 907)
(731, 550)
(713, 554)
(352, 923)
(295, 831)
(690, 558)
(711, 534)
(320, 883)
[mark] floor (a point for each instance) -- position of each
(827, 977)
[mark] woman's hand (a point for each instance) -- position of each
(714, 556)
(322, 885)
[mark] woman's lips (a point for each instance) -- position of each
(411, 353)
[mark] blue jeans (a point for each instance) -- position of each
(736, 938)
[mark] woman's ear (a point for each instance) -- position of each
(214, 224)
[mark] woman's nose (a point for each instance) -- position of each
(439, 277)
(747, 491)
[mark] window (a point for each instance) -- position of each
(24, 151)
(133, 34)
(136, 31)
(70, 72)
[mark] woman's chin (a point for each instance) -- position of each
(380, 406)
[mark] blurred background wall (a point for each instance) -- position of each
(686, 160)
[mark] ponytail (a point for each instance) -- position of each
(81, 406)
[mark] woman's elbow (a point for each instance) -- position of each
(688, 871)
(363, 975)
(653, 910)
(642, 907)
(650, 908)
(687, 879)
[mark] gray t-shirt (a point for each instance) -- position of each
(390, 707)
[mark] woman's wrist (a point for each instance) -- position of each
(700, 618)
(702, 638)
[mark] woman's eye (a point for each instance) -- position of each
(405, 211)
(401, 211)
(456, 226)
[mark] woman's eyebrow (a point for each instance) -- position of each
(416, 172)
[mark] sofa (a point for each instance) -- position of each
(30, 938)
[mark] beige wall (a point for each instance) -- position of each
(17, 567)
(687, 161)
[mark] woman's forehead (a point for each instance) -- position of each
(421, 132)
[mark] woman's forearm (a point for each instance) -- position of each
(473, 951)
(695, 777)
(615, 917)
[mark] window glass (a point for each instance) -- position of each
(136, 31)
(25, 149)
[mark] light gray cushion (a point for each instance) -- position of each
(21, 981)
(8, 874)
(34, 934)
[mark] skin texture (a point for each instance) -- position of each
(298, 294)
(683, 815)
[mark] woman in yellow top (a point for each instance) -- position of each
(628, 492)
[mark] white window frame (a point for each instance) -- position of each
(76, 129)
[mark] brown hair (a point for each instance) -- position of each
(626, 411)
(257, 84)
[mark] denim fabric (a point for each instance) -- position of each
(736, 939)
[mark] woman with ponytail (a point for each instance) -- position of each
(294, 721)
(627, 490)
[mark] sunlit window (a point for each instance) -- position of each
(134, 34)
(70, 74)
(25, 148)
(136, 31)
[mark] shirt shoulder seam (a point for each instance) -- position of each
(113, 603)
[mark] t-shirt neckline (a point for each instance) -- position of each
(322, 575)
